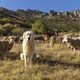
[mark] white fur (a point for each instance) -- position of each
(28, 47)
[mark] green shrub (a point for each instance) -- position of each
(18, 31)
(38, 27)
(2, 30)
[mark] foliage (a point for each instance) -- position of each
(38, 27)
(18, 31)
(39, 21)
(8, 28)
(2, 30)
(6, 20)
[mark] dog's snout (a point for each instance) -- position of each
(63, 42)
(28, 38)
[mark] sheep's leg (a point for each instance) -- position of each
(5, 57)
(52, 44)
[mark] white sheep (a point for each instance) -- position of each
(73, 43)
(28, 45)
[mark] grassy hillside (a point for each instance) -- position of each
(64, 21)
(55, 64)
(59, 63)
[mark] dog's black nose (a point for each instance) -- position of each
(28, 38)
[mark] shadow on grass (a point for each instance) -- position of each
(39, 60)
(9, 56)
(48, 60)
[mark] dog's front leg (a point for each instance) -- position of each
(22, 56)
(25, 61)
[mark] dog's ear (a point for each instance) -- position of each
(23, 37)
(24, 34)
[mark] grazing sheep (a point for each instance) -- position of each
(17, 39)
(39, 38)
(6, 45)
(73, 43)
(21, 39)
(3, 37)
(28, 45)
(52, 41)
(56, 40)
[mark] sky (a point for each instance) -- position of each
(43, 5)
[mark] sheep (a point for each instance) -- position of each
(55, 40)
(39, 38)
(73, 43)
(52, 41)
(3, 37)
(17, 39)
(28, 45)
(6, 45)
(21, 39)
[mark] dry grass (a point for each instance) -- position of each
(59, 63)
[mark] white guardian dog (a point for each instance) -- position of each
(28, 45)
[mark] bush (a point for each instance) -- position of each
(8, 28)
(38, 27)
(18, 31)
(2, 30)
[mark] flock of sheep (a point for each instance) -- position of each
(29, 39)
(72, 41)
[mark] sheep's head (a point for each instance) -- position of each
(65, 39)
(11, 39)
(28, 36)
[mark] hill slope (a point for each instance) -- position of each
(27, 17)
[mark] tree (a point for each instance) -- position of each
(44, 27)
(38, 27)
(50, 29)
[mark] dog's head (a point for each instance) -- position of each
(28, 36)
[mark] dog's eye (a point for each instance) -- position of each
(29, 34)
